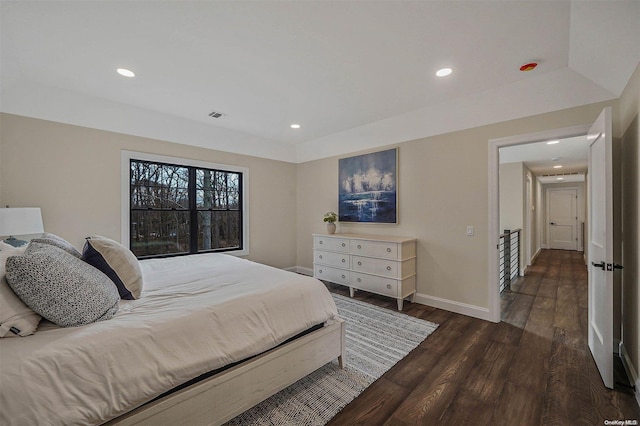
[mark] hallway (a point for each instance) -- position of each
(533, 368)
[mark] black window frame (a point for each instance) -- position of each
(193, 209)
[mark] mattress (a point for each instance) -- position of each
(196, 314)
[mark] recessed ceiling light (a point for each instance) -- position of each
(559, 166)
(552, 142)
(125, 72)
(295, 126)
(560, 178)
(444, 72)
(555, 158)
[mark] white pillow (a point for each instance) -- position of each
(16, 318)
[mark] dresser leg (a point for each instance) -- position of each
(351, 291)
(400, 303)
(413, 297)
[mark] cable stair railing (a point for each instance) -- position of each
(509, 248)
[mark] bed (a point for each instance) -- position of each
(225, 320)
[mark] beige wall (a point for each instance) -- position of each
(73, 173)
(443, 187)
(511, 196)
(630, 124)
(533, 206)
(514, 204)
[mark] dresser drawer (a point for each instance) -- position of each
(330, 258)
(334, 275)
(370, 265)
(374, 249)
(331, 244)
(374, 284)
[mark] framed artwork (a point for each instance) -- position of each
(368, 190)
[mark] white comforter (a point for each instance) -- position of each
(196, 314)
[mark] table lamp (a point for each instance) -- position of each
(20, 221)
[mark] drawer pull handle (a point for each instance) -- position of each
(389, 250)
(389, 286)
(359, 280)
(343, 277)
(359, 246)
(343, 244)
(320, 257)
(388, 268)
(359, 263)
(320, 242)
(344, 260)
(320, 271)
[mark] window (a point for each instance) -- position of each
(184, 208)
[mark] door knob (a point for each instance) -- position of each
(552, 223)
(598, 265)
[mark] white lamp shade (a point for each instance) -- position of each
(20, 221)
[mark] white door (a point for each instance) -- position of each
(562, 218)
(600, 237)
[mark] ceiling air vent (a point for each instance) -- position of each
(216, 114)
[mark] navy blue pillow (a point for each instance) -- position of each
(117, 262)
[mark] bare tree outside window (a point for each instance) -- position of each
(181, 209)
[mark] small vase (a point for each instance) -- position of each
(331, 228)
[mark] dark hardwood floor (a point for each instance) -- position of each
(533, 368)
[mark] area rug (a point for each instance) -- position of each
(376, 339)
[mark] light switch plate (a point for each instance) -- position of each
(470, 231)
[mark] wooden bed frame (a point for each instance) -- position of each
(223, 396)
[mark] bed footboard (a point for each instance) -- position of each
(223, 396)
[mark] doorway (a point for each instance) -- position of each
(494, 199)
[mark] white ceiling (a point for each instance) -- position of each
(354, 74)
(540, 157)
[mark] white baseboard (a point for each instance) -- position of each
(453, 306)
(535, 256)
(631, 371)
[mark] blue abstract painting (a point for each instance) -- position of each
(368, 187)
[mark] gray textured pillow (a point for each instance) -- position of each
(59, 242)
(60, 287)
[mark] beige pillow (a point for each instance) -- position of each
(117, 262)
(16, 318)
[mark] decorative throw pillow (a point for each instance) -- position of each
(117, 262)
(16, 318)
(60, 287)
(59, 242)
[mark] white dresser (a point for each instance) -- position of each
(381, 265)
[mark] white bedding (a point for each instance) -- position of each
(196, 314)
